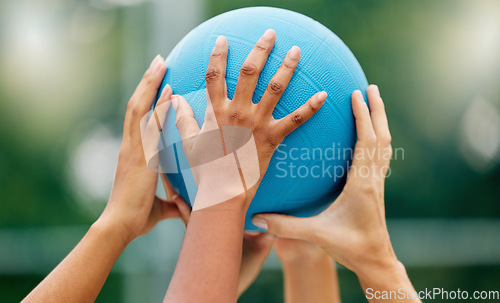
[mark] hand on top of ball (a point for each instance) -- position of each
(223, 114)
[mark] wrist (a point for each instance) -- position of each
(385, 274)
(113, 227)
(226, 197)
(235, 205)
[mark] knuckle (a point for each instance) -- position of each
(313, 107)
(368, 191)
(148, 78)
(248, 69)
(179, 121)
(275, 87)
(150, 81)
(216, 54)
(134, 110)
(271, 140)
(297, 119)
(289, 65)
(130, 104)
(387, 140)
(261, 47)
(212, 74)
(147, 75)
(235, 114)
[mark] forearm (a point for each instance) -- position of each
(310, 280)
(209, 262)
(81, 275)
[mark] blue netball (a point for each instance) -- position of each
(308, 170)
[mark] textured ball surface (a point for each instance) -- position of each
(326, 64)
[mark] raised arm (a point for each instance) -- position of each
(132, 209)
(309, 273)
(209, 262)
(353, 229)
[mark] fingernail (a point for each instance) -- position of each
(294, 53)
(175, 102)
(158, 63)
(269, 34)
(154, 61)
(358, 94)
(377, 91)
(259, 222)
(319, 100)
(175, 197)
(322, 96)
(221, 40)
(166, 89)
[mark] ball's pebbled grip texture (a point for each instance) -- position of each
(326, 64)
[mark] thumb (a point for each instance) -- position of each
(184, 121)
(165, 209)
(183, 207)
(285, 226)
(259, 241)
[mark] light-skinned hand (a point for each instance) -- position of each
(133, 206)
(353, 229)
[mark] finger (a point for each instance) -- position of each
(253, 65)
(151, 130)
(184, 209)
(160, 111)
(152, 82)
(168, 209)
(280, 81)
(295, 119)
(149, 85)
(185, 122)
(263, 242)
(210, 122)
(378, 115)
(364, 127)
(169, 189)
(285, 226)
(256, 249)
(144, 95)
(258, 246)
(216, 72)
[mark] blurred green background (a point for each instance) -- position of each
(67, 68)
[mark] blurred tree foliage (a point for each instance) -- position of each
(32, 181)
